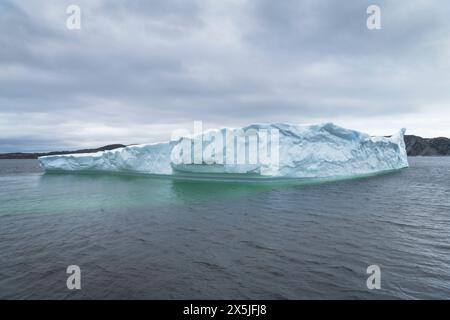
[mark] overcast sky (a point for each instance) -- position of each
(137, 70)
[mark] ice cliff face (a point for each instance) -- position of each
(260, 150)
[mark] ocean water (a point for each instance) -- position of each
(137, 237)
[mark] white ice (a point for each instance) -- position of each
(312, 151)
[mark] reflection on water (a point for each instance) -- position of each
(65, 191)
(93, 190)
(62, 192)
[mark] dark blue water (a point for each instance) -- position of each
(141, 237)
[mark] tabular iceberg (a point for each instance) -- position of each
(276, 150)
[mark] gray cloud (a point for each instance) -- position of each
(139, 69)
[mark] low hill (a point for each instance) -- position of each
(418, 146)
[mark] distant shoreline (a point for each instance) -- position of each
(415, 146)
(35, 155)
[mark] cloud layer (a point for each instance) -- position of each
(137, 70)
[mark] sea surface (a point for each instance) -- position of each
(139, 237)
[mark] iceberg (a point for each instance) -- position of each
(277, 150)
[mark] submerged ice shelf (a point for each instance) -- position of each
(276, 150)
